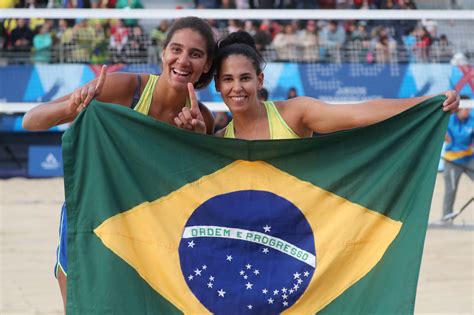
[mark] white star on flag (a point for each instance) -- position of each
(229, 257)
(283, 290)
(299, 281)
(191, 244)
(204, 267)
(242, 272)
(190, 277)
(285, 303)
(275, 292)
(284, 296)
(270, 301)
(248, 285)
(209, 285)
(296, 287)
(246, 277)
(296, 275)
(265, 250)
(197, 272)
(221, 293)
(291, 291)
(256, 272)
(306, 273)
(249, 307)
(248, 266)
(267, 228)
(211, 278)
(264, 291)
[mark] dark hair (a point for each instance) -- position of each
(239, 43)
(202, 27)
(262, 94)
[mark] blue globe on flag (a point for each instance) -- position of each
(247, 252)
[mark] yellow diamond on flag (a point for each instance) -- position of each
(349, 240)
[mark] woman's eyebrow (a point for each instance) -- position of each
(192, 49)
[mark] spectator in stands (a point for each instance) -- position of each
(129, 4)
(286, 43)
(384, 46)
(431, 26)
(409, 43)
(136, 47)
(308, 4)
(234, 26)
(458, 156)
(423, 44)
(188, 56)
(265, 4)
(308, 40)
(263, 37)
(21, 41)
(118, 40)
(332, 38)
(206, 4)
(400, 27)
(42, 44)
(363, 4)
(242, 4)
(7, 4)
(100, 44)
(227, 4)
(358, 42)
(158, 35)
(442, 49)
(64, 37)
(98, 4)
(251, 27)
(83, 41)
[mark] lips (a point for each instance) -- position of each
(180, 75)
(238, 98)
(180, 72)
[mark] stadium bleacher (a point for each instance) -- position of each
(325, 56)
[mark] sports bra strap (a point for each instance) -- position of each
(136, 94)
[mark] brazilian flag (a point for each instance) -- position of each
(165, 221)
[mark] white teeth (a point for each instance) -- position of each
(183, 73)
(238, 98)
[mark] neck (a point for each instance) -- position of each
(248, 123)
(167, 99)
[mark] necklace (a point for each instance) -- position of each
(258, 119)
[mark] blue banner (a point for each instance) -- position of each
(328, 82)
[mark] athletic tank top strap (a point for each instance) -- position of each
(229, 130)
(144, 103)
(136, 94)
(279, 129)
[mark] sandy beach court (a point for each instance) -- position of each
(29, 215)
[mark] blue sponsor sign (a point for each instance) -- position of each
(328, 82)
(45, 161)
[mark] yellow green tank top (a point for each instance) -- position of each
(144, 103)
(279, 129)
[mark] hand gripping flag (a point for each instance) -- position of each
(165, 221)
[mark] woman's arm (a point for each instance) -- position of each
(116, 88)
(323, 118)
